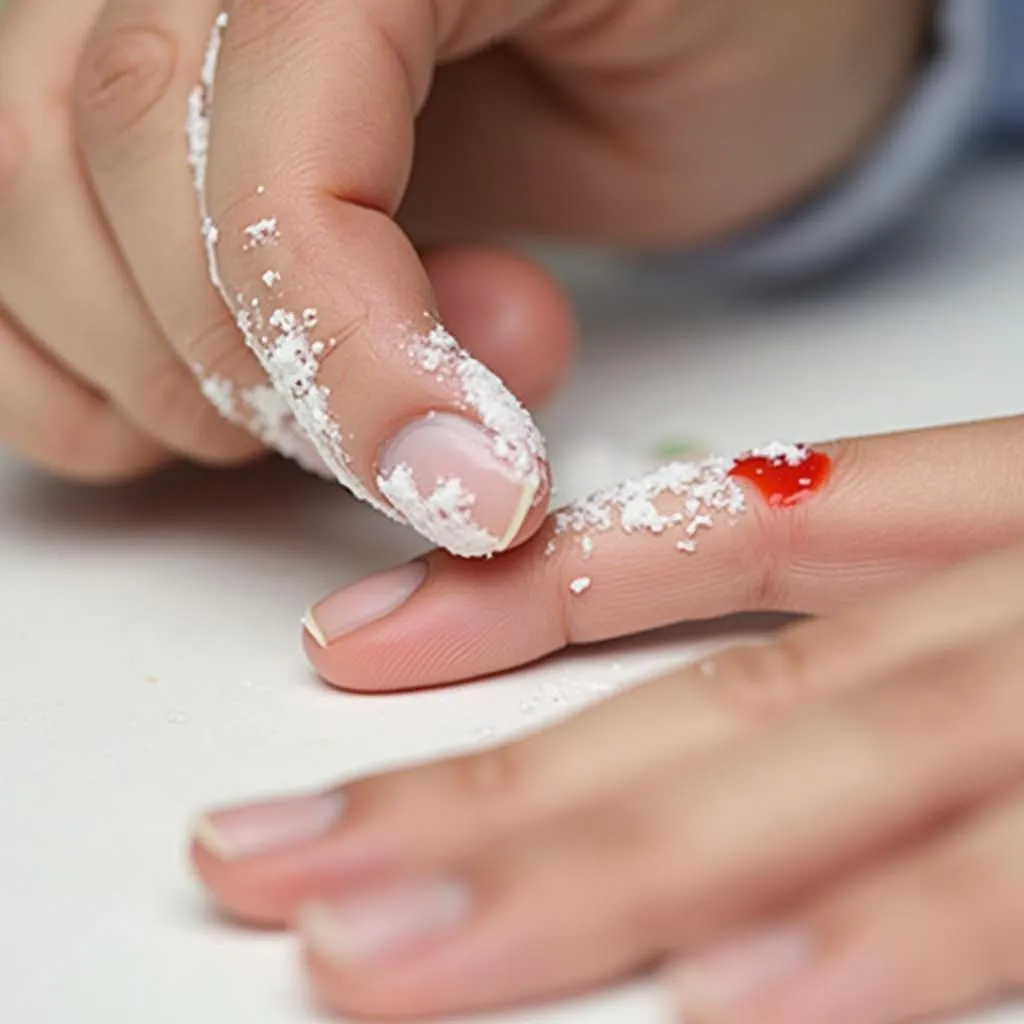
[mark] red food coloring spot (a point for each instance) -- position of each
(784, 475)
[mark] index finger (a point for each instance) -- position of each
(309, 148)
(690, 541)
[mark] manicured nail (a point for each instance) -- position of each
(444, 474)
(383, 923)
(362, 603)
(274, 825)
(713, 985)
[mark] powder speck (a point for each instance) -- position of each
(263, 232)
(580, 585)
(271, 277)
(707, 668)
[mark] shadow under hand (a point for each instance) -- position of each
(268, 508)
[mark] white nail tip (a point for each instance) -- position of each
(312, 627)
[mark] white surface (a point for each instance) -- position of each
(151, 663)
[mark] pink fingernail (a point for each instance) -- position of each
(711, 985)
(443, 473)
(273, 825)
(364, 602)
(383, 923)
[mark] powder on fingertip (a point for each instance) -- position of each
(517, 443)
(444, 515)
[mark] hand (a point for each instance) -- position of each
(649, 123)
(818, 830)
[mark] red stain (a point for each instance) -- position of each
(783, 480)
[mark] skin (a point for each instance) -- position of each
(851, 790)
(653, 123)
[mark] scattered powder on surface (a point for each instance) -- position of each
(271, 277)
(444, 516)
(707, 668)
(679, 495)
(580, 585)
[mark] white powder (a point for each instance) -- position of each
(290, 413)
(445, 515)
(688, 546)
(301, 412)
(777, 451)
(587, 546)
(700, 489)
(580, 585)
(263, 232)
(517, 443)
(707, 668)
(700, 522)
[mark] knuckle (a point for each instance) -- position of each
(759, 683)
(123, 76)
(491, 780)
(767, 555)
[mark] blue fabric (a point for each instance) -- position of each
(1005, 101)
(972, 88)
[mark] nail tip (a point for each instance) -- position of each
(522, 510)
(312, 628)
(206, 834)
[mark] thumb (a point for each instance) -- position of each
(312, 109)
(796, 530)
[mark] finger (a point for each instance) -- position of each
(689, 542)
(48, 417)
(513, 316)
(53, 241)
(347, 332)
(934, 932)
(261, 860)
(677, 862)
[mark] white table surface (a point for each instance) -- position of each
(150, 649)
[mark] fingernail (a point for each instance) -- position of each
(382, 923)
(273, 825)
(362, 603)
(443, 473)
(714, 984)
